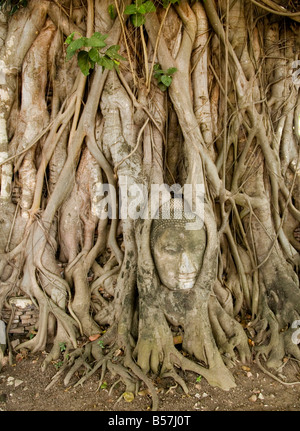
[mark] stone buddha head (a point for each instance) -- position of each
(177, 249)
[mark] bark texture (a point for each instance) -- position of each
(229, 120)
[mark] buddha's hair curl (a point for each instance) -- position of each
(173, 213)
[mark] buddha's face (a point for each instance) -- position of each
(178, 255)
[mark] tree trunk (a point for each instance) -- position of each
(204, 95)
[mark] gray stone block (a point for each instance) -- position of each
(2, 335)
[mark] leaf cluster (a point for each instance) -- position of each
(138, 10)
(164, 78)
(87, 59)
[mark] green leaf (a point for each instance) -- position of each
(141, 9)
(158, 74)
(112, 52)
(94, 55)
(167, 80)
(162, 86)
(70, 38)
(157, 68)
(100, 36)
(111, 11)
(106, 62)
(62, 347)
(73, 47)
(171, 70)
(130, 10)
(138, 19)
(83, 62)
(158, 77)
(120, 57)
(149, 7)
(58, 364)
(96, 40)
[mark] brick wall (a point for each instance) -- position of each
(25, 317)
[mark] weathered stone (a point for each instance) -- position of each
(18, 313)
(20, 301)
(25, 318)
(2, 336)
(253, 398)
(32, 321)
(18, 382)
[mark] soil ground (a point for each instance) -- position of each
(22, 388)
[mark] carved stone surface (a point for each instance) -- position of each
(177, 250)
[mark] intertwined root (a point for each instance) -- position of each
(274, 342)
(171, 359)
(91, 358)
(229, 334)
(155, 351)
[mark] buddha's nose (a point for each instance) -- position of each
(186, 265)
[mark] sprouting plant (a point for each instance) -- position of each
(58, 364)
(12, 5)
(87, 59)
(112, 12)
(198, 379)
(164, 78)
(138, 10)
(104, 385)
(62, 347)
(32, 333)
(100, 343)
